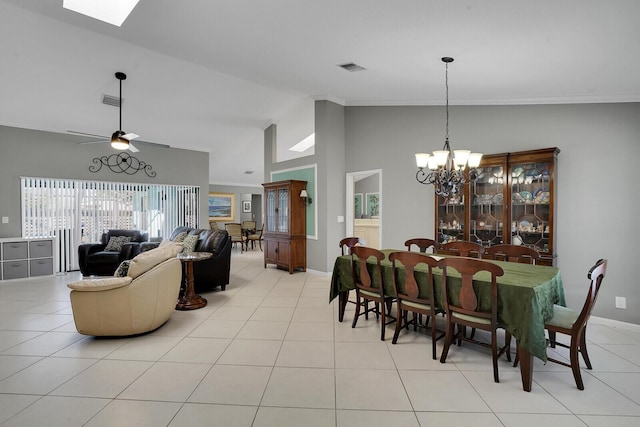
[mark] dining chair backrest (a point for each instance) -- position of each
(467, 302)
(249, 225)
(513, 253)
(422, 244)
(361, 277)
(408, 261)
(463, 248)
(213, 225)
(348, 242)
(596, 274)
(234, 229)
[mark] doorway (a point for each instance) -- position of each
(364, 206)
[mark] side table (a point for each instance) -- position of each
(189, 300)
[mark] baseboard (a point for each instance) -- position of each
(615, 324)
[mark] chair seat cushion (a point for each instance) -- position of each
(470, 318)
(104, 257)
(563, 317)
(416, 305)
(370, 294)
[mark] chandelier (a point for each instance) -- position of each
(448, 173)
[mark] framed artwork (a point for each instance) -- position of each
(222, 206)
(373, 204)
(357, 205)
(246, 206)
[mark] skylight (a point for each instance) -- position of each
(305, 144)
(113, 12)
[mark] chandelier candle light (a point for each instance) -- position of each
(447, 172)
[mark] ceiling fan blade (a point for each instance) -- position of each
(133, 149)
(130, 136)
(93, 142)
(87, 134)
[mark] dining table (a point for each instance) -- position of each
(526, 296)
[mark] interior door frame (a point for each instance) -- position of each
(352, 178)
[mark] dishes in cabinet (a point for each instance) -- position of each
(526, 196)
(517, 198)
(541, 197)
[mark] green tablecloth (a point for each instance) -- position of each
(526, 294)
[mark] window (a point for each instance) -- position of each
(78, 212)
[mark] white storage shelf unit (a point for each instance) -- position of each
(23, 258)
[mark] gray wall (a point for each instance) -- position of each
(53, 155)
(329, 157)
(597, 193)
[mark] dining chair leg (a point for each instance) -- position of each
(552, 339)
(383, 322)
(433, 339)
(448, 340)
(583, 348)
(357, 313)
(494, 353)
(575, 363)
(402, 315)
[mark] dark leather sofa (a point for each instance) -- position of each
(94, 260)
(212, 272)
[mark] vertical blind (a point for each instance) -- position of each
(76, 211)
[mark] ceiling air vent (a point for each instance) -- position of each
(111, 100)
(350, 66)
(248, 172)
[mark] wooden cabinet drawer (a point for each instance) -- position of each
(15, 269)
(40, 249)
(14, 250)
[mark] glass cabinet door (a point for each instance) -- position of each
(530, 198)
(270, 214)
(451, 218)
(283, 210)
(486, 209)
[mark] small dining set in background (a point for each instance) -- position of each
(500, 290)
(243, 233)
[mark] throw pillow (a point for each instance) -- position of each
(180, 237)
(116, 242)
(190, 243)
(123, 268)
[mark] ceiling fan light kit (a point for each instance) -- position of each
(121, 140)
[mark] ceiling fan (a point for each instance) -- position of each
(119, 139)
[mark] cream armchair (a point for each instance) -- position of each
(139, 302)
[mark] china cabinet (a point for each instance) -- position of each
(285, 231)
(512, 201)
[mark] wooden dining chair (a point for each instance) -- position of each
(464, 307)
(369, 287)
(513, 253)
(213, 225)
(422, 244)
(236, 234)
(463, 248)
(574, 324)
(348, 242)
(413, 297)
(256, 237)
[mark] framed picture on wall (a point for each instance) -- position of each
(246, 206)
(357, 205)
(222, 206)
(373, 204)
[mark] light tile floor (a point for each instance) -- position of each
(269, 351)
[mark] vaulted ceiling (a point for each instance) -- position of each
(210, 75)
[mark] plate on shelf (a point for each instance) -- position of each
(541, 197)
(527, 196)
